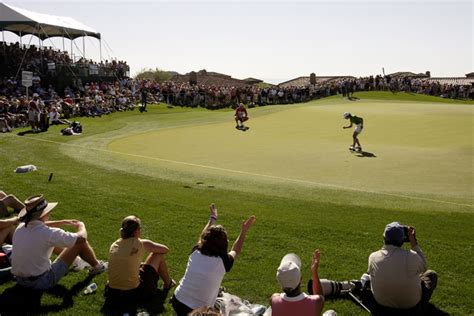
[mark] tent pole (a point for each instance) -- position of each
(21, 42)
(100, 49)
(72, 54)
(64, 49)
(84, 47)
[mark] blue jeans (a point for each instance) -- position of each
(46, 280)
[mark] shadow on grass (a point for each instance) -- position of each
(19, 300)
(28, 132)
(365, 154)
(120, 305)
(366, 300)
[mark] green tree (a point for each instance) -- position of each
(156, 75)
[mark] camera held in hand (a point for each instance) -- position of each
(405, 234)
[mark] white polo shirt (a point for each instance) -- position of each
(33, 246)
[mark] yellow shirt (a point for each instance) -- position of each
(125, 258)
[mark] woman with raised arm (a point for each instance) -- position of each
(207, 265)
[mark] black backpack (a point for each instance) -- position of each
(76, 127)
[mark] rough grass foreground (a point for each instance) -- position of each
(297, 210)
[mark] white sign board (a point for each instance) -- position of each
(27, 78)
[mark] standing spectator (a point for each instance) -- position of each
(35, 239)
(293, 301)
(207, 265)
(143, 99)
(34, 113)
(129, 278)
(399, 277)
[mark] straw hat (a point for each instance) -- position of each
(36, 206)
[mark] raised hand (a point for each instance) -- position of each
(213, 209)
(248, 223)
(315, 261)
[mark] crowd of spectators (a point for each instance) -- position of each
(99, 98)
(347, 86)
(397, 281)
(104, 97)
(91, 100)
(214, 97)
(46, 60)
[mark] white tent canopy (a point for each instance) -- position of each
(22, 22)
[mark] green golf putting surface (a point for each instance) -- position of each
(408, 147)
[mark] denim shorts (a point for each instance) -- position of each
(46, 280)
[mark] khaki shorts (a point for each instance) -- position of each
(33, 116)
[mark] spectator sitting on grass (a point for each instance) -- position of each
(207, 265)
(293, 301)
(129, 277)
(55, 119)
(399, 277)
(36, 238)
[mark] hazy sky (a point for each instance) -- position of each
(275, 40)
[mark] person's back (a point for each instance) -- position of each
(125, 258)
(202, 279)
(37, 241)
(357, 120)
(395, 276)
(303, 304)
(131, 279)
(293, 301)
(399, 277)
(207, 265)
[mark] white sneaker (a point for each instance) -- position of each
(79, 264)
(101, 267)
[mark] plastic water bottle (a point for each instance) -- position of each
(90, 288)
